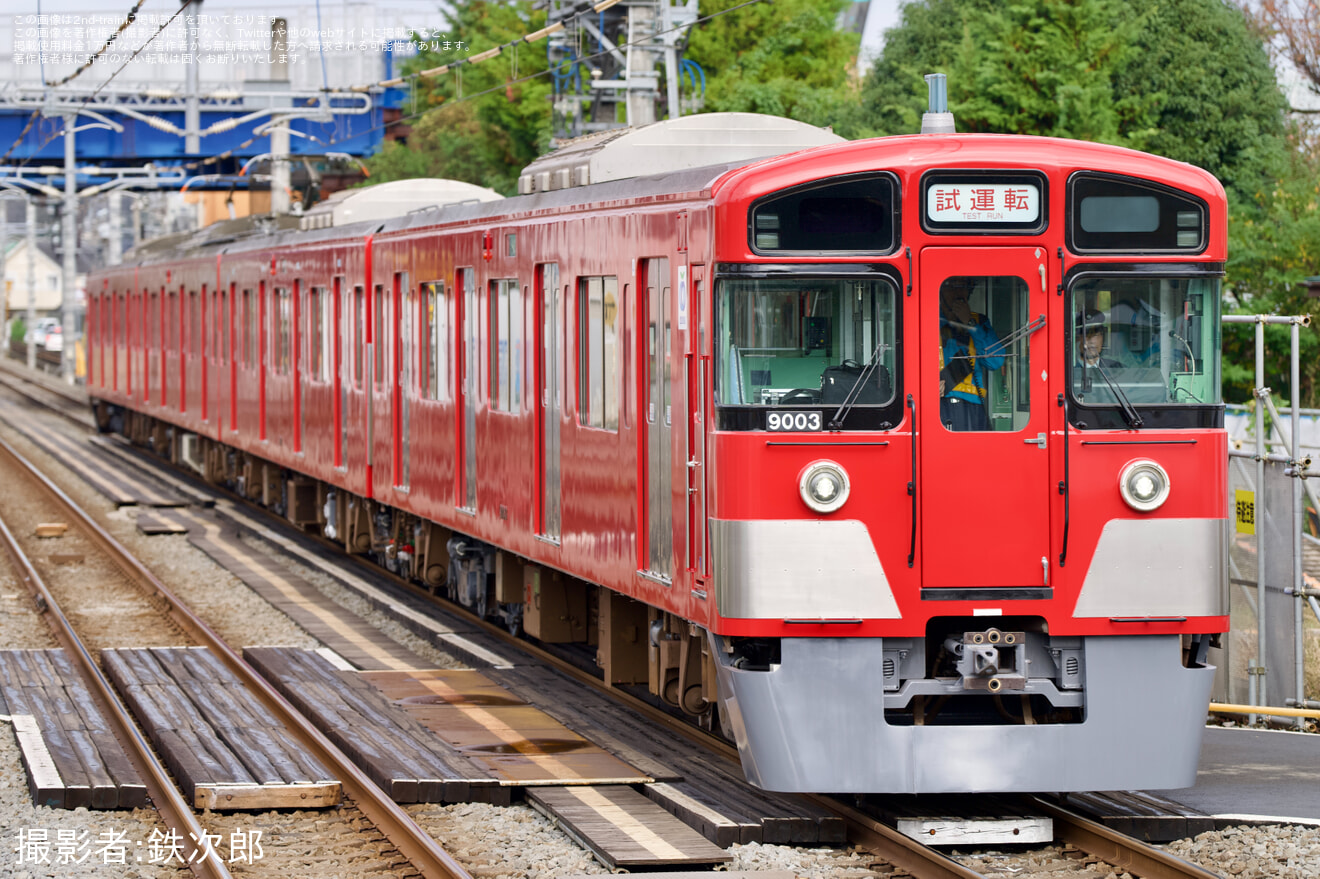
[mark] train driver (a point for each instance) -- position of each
(969, 348)
(1092, 335)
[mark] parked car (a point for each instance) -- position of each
(55, 338)
(41, 329)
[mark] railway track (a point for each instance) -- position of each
(176, 813)
(910, 855)
(421, 850)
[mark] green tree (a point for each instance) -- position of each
(1186, 79)
(484, 123)
(1212, 97)
(1273, 245)
(785, 58)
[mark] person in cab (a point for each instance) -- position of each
(1091, 341)
(969, 349)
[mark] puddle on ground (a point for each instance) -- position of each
(460, 699)
(532, 746)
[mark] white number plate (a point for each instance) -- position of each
(792, 421)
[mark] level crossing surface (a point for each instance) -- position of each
(1257, 775)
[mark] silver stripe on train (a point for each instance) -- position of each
(798, 569)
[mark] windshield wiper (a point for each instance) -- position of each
(1130, 415)
(836, 423)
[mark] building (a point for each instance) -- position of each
(48, 272)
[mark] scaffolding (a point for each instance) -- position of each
(605, 67)
(1267, 540)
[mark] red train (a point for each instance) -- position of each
(901, 459)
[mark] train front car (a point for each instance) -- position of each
(967, 480)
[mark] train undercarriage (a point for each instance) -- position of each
(633, 644)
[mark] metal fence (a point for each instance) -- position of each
(1263, 661)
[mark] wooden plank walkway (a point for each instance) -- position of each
(152, 526)
(511, 740)
(71, 755)
(1141, 814)
(625, 829)
(710, 793)
(226, 750)
(405, 758)
(336, 627)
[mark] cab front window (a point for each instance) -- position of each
(1143, 342)
(824, 343)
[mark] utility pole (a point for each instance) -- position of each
(136, 209)
(192, 113)
(280, 176)
(69, 238)
(116, 252)
(31, 278)
(671, 41)
(4, 253)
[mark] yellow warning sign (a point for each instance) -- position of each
(1245, 511)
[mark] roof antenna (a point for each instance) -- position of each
(938, 119)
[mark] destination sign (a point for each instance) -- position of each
(977, 202)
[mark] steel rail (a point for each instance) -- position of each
(1115, 848)
(902, 851)
(414, 843)
(16, 383)
(167, 798)
(912, 855)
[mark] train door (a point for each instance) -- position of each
(469, 386)
(233, 350)
(263, 355)
(983, 412)
(693, 307)
(657, 497)
(296, 360)
(405, 310)
(342, 327)
(550, 374)
(205, 328)
(158, 345)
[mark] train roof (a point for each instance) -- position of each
(404, 205)
(913, 154)
(263, 232)
(669, 146)
(683, 155)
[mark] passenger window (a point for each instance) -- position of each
(506, 345)
(983, 346)
(598, 354)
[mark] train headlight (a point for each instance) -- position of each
(1144, 485)
(824, 486)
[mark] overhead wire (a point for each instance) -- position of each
(138, 51)
(495, 50)
(532, 37)
(128, 20)
(99, 88)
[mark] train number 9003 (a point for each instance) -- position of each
(792, 421)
